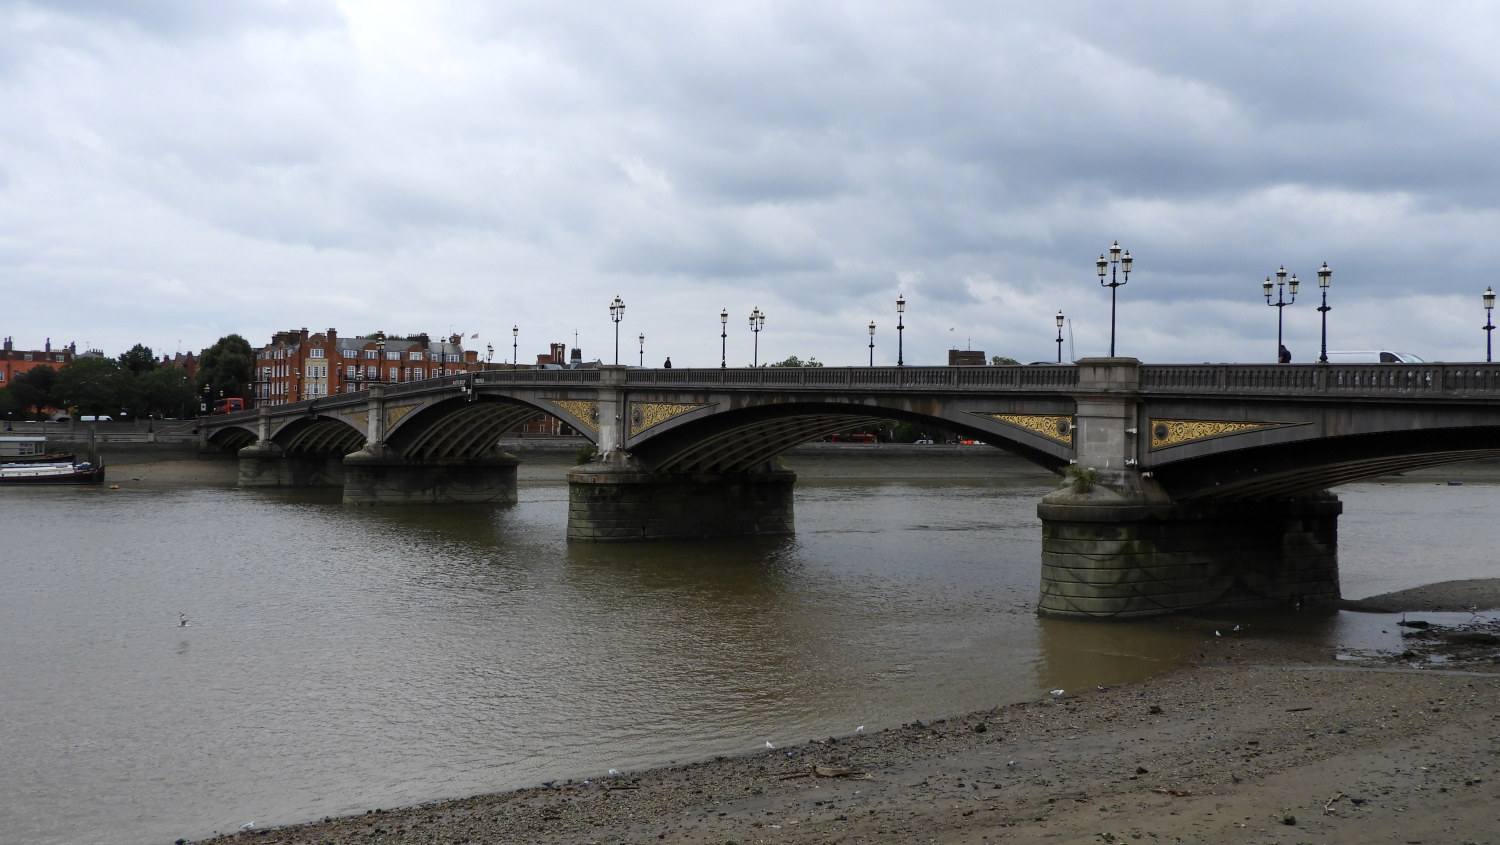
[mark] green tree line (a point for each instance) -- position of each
(134, 385)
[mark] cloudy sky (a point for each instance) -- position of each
(172, 171)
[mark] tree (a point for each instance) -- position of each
(794, 361)
(35, 390)
(140, 359)
(166, 391)
(1000, 360)
(94, 386)
(227, 367)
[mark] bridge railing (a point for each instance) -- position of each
(1354, 380)
(873, 378)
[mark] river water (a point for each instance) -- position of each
(339, 659)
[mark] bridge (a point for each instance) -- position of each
(1185, 485)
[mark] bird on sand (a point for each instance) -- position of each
(769, 745)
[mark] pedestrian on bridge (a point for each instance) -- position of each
(1284, 356)
(668, 364)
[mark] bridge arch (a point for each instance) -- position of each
(744, 438)
(464, 427)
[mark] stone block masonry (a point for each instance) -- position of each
(610, 505)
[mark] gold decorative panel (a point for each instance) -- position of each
(586, 410)
(395, 414)
(1050, 426)
(1174, 432)
(643, 415)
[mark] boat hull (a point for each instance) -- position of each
(11, 476)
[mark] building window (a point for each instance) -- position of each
(393, 356)
(315, 353)
(370, 353)
(417, 374)
(26, 357)
(416, 356)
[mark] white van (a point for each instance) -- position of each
(1378, 356)
(93, 418)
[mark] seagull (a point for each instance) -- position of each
(1057, 692)
(860, 729)
(1236, 628)
(769, 745)
(614, 771)
(247, 825)
(182, 620)
(1217, 634)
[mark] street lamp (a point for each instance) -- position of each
(757, 322)
(872, 343)
(1325, 276)
(515, 346)
(723, 337)
(1120, 262)
(1489, 327)
(489, 355)
(1059, 336)
(642, 339)
(900, 329)
(617, 313)
(380, 356)
(1279, 304)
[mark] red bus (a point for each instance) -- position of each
(228, 405)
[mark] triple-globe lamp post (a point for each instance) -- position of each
(757, 322)
(616, 314)
(1280, 303)
(1120, 263)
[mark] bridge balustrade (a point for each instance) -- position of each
(948, 378)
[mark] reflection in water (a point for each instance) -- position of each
(344, 658)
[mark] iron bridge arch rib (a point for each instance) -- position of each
(744, 437)
(1279, 470)
(318, 435)
(464, 428)
(1263, 447)
(231, 438)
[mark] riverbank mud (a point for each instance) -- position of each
(1254, 740)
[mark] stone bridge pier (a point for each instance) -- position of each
(1115, 545)
(613, 498)
(379, 475)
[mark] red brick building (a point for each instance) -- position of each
(297, 365)
(14, 361)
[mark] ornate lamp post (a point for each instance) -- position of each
(1115, 262)
(617, 313)
(1059, 336)
(380, 356)
(642, 338)
(723, 337)
(1325, 276)
(872, 343)
(515, 346)
(1280, 303)
(489, 355)
(757, 322)
(900, 329)
(1489, 326)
